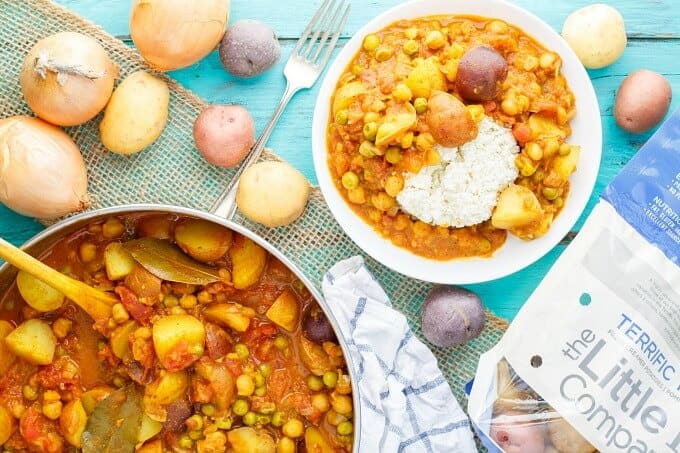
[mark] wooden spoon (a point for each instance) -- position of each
(95, 302)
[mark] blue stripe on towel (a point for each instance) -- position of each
(424, 388)
(425, 436)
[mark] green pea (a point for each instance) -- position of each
(393, 155)
(265, 369)
(370, 130)
(259, 380)
(345, 428)
(371, 42)
(261, 391)
(314, 383)
(223, 423)
(350, 180)
(240, 407)
(368, 149)
(264, 420)
(185, 441)
(357, 69)
(194, 422)
(420, 104)
(342, 117)
(411, 47)
(250, 418)
(170, 301)
(208, 409)
(281, 342)
(277, 419)
(550, 193)
(558, 202)
(195, 435)
(330, 379)
(241, 351)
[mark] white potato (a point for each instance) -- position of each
(597, 35)
(272, 193)
(136, 114)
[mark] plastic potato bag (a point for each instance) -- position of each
(592, 361)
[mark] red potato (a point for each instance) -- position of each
(224, 134)
(515, 434)
(642, 101)
(480, 73)
(449, 120)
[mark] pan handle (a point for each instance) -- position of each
(225, 205)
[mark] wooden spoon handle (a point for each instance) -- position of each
(96, 303)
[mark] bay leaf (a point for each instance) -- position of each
(114, 424)
(166, 261)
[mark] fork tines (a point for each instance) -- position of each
(328, 21)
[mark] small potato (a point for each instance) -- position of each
(642, 101)
(272, 193)
(178, 341)
(515, 436)
(6, 356)
(450, 122)
(136, 114)
(451, 316)
(597, 35)
(249, 48)
(7, 424)
(480, 73)
(248, 261)
(202, 240)
(32, 341)
(224, 134)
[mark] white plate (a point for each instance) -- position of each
(515, 254)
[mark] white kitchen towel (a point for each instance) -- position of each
(406, 404)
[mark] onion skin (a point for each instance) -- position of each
(174, 34)
(78, 78)
(42, 173)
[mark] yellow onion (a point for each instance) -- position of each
(173, 34)
(67, 78)
(42, 173)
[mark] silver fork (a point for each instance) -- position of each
(302, 70)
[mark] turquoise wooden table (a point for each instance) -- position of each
(654, 43)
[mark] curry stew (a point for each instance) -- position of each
(227, 362)
(378, 128)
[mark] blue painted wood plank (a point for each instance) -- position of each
(654, 20)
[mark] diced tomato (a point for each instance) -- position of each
(31, 424)
(234, 366)
(39, 432)
(258, 331)
(179, 357)
(279, 384)
(522, 132)
(54, 375)
(140, 312)
(266, 351)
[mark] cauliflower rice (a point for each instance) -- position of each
(463, 188)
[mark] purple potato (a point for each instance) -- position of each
(451, 316)
(317, 327)
(249, 48)
(480, 73)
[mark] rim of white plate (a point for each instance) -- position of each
(515, 254)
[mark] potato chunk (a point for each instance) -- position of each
(7, 424)
(316, 442)
(517, 206)
(119, 263)
(347, 94)
(120, 339)
(6, 356)
(247, 260)
(426, 77)
(250, 440)
(398, 120)
(32, 341)
(72, 422)
(165, 389)
(566, 165)
(202, 240)
(285, 311)
(178, 341)
(231, 315)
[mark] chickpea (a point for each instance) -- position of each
(406, 140)
(534, 151)
(550, 147)
(561, 115)
(357, 196)
(368, 149)
(402, 92)
(345, 428)
(293, 428)
(370, 130)
(320, 402)
(250, 418)
(411, 33)
(432, 157)
(371, 117)
(476, 112)
(188, 301)
(393, 185)
(30, 393)
(529, 63)
(357, 69)
(61, 327)
(342, 117)
(371, 42)
(350, 180)
(550, 193)
(277, 419)
(342, 404)
(334, 419)
(170, 300)
(204, 297)
(314, 383)
(285, 445)
(113, 228)
(87, 252)
(52, 410)
(240, 407)
(410, 47)
(382, 201)
(384, 53)
(510, 106)
(525, 166)
(424, 142)
(435, 40)
(565, 149)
